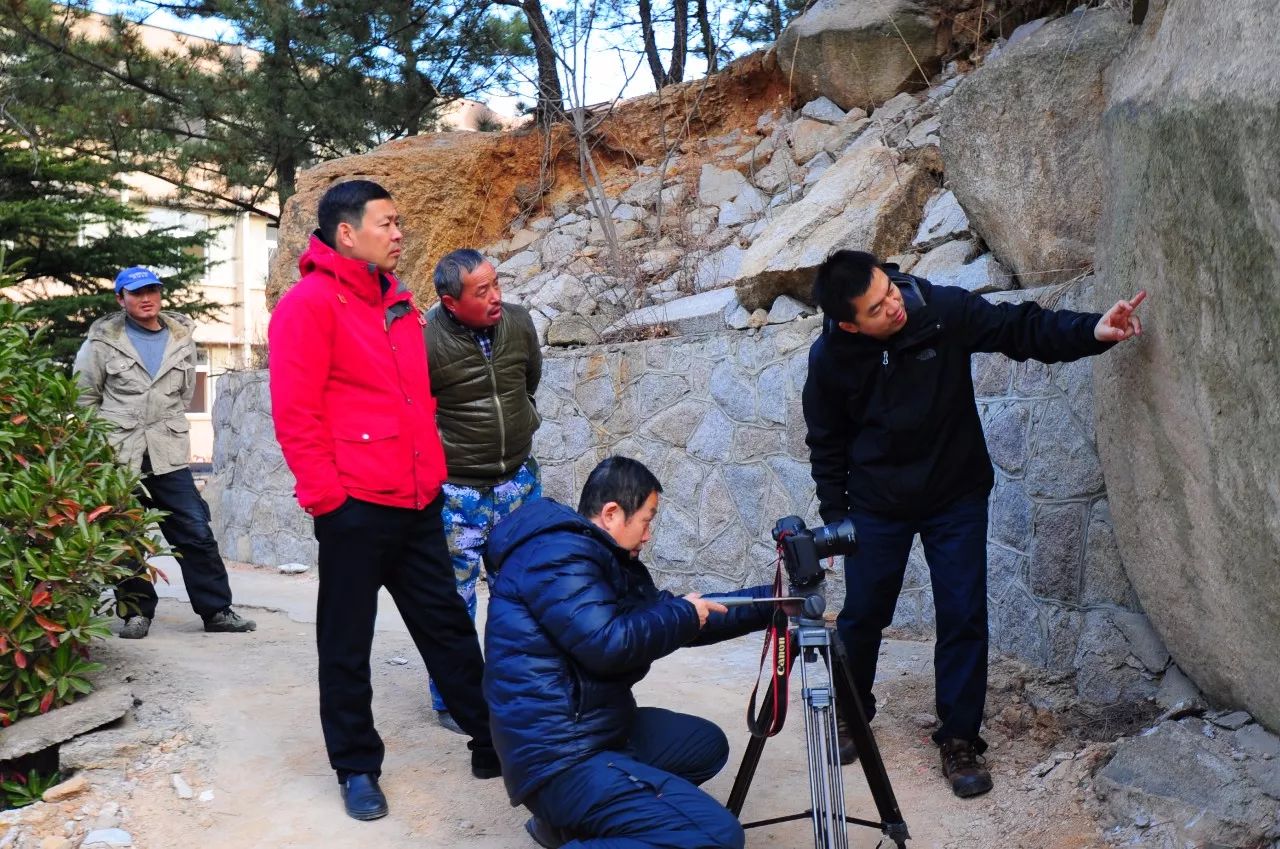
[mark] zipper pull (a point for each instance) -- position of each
(884, 361)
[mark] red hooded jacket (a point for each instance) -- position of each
(350, 393)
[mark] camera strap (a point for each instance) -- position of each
(776, 658)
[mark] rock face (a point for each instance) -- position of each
(250, 496)
(870, 199)
(446, 188)
(1187, 417)
(858, 53)
(1021, 140)
(1189, 784)
(463, 189)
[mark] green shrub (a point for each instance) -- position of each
(69, 527)
(17, 790)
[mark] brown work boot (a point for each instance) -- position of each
(965, 768)
(227, 621)
(844, 736)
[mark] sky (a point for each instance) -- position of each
(609, 73)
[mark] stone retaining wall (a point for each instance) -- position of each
(718, 419)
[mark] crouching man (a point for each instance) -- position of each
(574, 622)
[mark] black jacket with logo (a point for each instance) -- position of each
(893, 427)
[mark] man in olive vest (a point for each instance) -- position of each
(485, 365)
(137, 368)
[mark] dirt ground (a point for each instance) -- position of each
(236, 715)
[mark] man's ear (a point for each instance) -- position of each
(848, 326)
(345, 235)
(610, 511)
(450, 302)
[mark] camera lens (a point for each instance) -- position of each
(835, 538)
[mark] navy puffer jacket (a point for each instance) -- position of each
(574, 622)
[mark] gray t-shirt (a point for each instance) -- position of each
(149, 344)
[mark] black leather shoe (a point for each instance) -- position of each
(485, 764)
(545, 835)
(965, 768)
(363, 798)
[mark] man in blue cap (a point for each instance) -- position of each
(137, 368)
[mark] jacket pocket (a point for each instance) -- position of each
(168, 443)
(124, 377)
(367, 454)
(176, 380)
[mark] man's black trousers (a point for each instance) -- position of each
(363, 547)
(186, 528)
(955, 546)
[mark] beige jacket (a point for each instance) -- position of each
(149, 414)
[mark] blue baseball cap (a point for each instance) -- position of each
(132, 279)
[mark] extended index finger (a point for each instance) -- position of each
(1137, 299)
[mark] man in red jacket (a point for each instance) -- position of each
(351, 399)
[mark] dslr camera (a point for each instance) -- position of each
(803, 548)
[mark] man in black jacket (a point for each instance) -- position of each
(896, 443)
(485, 365)
(575, 621)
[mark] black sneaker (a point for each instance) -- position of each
(135, 628)
(227, 621)
(965, 768)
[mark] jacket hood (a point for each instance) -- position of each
(543, 516)
(111, 328)
(355, 274)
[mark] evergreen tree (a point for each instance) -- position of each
(230, 125)
(65, 232)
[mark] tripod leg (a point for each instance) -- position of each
(747, 771)
(826, 781)
(868, 752)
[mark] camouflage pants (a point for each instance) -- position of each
(469, 514)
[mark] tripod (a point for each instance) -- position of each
(824, 670)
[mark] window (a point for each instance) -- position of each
(273, 242)
(200, 399)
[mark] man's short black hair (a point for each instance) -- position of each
(451, 267)
(843, 276)
(619, 479)
(345, 202)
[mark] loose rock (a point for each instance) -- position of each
(71, 787)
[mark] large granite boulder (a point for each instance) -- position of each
(859, 53)
(871, 199)
(1022, 144)
(1187, 415)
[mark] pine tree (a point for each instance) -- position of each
(65, 232)
(305, 81)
